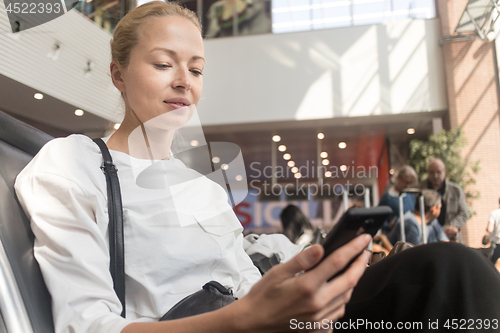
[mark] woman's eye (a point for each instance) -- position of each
(196, 72)
(162, 66)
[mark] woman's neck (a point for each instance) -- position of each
(140, 140)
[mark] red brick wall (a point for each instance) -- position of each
(472, 86)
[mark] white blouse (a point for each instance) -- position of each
(180, 232)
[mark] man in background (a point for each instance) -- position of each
(454, 212)
(413, 222)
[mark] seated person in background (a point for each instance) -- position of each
(297, 228)
(413, 222)
(405, 177)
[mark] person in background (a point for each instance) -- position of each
(297, 228)
(406, 177)
(413, 222)
(454, 212)
(493, 230)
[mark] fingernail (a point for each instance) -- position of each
(365, 238)
(312, 255)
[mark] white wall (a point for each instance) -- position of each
(28, 57)
(345, 72)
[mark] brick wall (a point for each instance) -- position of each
(472, 86)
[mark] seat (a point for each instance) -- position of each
(25, 303)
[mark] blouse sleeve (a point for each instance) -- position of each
(72, 252)
(249, 273)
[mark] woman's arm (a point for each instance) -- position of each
(281, 295)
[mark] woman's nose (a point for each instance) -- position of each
(181, 80)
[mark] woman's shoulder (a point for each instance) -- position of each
(76, 158)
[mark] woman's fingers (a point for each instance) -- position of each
(301, 262)
(346, 283)
(336, 261)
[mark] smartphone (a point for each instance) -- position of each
(354, 222)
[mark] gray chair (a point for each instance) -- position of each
(25, 303)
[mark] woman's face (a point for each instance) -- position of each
(164, 75)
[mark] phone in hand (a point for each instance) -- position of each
(354, 222)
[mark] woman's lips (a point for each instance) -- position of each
(175, 105)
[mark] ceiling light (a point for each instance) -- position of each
(325, 162)
(216, 159)
(328, 174)
(291, 163)
(79, 112)
(239, 178)
(194, 143)
(38, 96)
(287, 156)
(343, 167)
(410, 131)
(116, 126)
(323, 154)
(321, 136)
(297, 175)
(224, 166)
(282, 148)
(295, 169)
(391, 171)
(276, 138)
(342, 145)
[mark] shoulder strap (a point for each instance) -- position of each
(115, 227)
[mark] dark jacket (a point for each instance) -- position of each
(457, 212)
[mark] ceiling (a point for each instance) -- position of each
(48, 114)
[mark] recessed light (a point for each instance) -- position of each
(297, 175)
(391, 171)
(239, 178)
(79, 112)
(194, 143)
(282, 148)
(291, 163)
(342, 145)
(38, 96)
(287, 156)
(410, 131)
(323, 154)
(295, 169)
(224, 166)
(343, 167)
(325, 162)
(321, 136)
(276, 138)
(328, 174)
(216, 159)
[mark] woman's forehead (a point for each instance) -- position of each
(170, 32)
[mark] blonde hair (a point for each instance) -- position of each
(126, 33)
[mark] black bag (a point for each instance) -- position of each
(212, 296)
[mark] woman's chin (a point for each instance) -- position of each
(173, 119)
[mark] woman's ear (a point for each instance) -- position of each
(117, 76)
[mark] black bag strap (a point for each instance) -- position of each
(115, 227)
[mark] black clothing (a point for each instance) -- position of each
(437, 281)
(442, 215)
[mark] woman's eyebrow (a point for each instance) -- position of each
(173, 53)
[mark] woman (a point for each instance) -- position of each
(170, 248)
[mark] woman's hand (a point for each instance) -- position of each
(286, 297)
